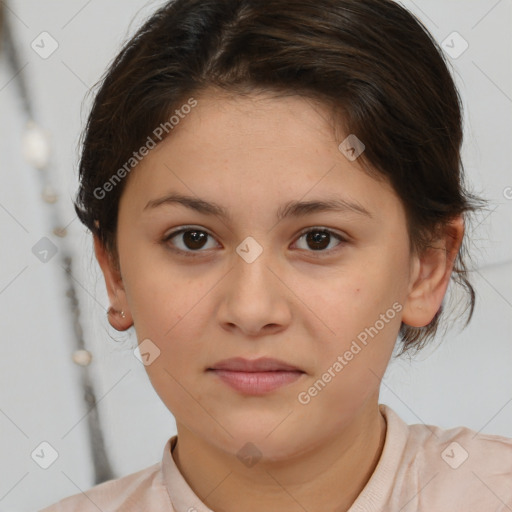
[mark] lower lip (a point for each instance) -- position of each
(257, 383)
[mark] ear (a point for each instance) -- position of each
(430, 275)
(115, 288)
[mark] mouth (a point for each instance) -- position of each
(263, 364)
(255, 377)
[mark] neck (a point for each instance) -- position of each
(328, 477)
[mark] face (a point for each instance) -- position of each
(323, 290)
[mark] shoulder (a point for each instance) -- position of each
(458, 465)
(460, 447)
(143, 490)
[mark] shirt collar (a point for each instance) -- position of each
(181, 494)
(375, 493)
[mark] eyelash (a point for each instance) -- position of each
(194, 254)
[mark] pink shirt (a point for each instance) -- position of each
(422, 468)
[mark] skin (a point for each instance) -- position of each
(251, 155)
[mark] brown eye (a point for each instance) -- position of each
(319, 239)
(194, 239)
(191, 240)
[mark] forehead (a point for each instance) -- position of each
(255, 150)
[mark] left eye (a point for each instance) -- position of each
(318, 239)
(321, 238)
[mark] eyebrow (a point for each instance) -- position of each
(290, 209)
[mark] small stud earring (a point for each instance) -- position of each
(112, 310)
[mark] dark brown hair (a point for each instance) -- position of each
(370, 61)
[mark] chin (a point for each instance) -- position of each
(264, 443)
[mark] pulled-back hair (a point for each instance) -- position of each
(371, 62)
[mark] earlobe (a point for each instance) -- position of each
(115, 288)
(430, 276)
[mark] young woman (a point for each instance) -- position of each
(277, 198)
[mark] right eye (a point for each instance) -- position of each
(191, 241)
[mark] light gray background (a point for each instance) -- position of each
(466, 381)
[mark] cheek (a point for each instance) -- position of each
(362, 310)
(352, 363)
(162, 296)
(352, 300)
(173, 385)
(174, 373)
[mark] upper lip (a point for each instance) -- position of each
(263, 364)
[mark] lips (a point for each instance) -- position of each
(263, 364)
(257, 376)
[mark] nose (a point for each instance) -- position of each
(255, 298)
